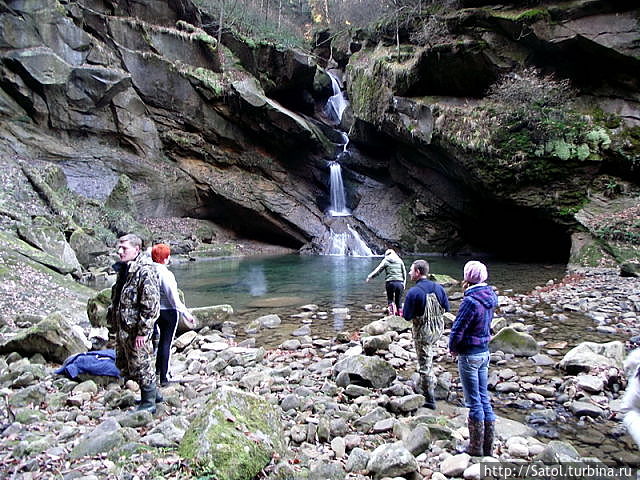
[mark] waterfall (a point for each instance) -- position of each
(341, 239)
(338, 206)
(347, 243)
(337, 103)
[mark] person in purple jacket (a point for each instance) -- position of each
(469, 341)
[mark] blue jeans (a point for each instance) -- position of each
(474, 371)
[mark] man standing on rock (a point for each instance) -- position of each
(135, 306)
(424, 306)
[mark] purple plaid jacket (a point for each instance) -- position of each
(470, 332)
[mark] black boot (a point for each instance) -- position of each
(428, 391)
(430, 398)
(489, 433)
(148, 398)
(159, 397)
(476, 438)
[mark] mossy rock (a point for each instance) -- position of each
(630, 269)
(54, 337)
(444, 280)
(212, 316)
(234, 437)
(121, 197)
(97, 308)
(509, 340)
(587, 251)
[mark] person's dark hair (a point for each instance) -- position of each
(134, 240)
(421, 266)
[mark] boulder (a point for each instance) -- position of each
(88, 248)
(508, 340)
(368, 371)
(630, 269)
(53, 337)
(212, 316)
(588, 355)
(121, 196)
(235, 435)
(391, 460)
(97, 308)
(397, 323)
(51, 240)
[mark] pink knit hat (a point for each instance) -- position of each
(475, 272)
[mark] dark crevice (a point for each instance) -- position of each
(248, 223)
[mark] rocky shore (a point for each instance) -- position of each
(340, 408)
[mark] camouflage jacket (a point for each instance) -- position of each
(139, 304)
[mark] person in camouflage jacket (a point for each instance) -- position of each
(135, 307)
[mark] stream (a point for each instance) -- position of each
(256, 286)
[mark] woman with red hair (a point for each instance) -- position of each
(170, 307)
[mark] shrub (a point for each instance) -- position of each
(536, 119)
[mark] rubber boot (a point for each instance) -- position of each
(476, 438)
(427, 390)
(430, 398)
(489, 433)
(148, 398)
(159, 397)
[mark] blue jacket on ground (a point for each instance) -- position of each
(471, 330)
(100, 362)
(416, 298)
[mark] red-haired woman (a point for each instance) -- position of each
(170, 307)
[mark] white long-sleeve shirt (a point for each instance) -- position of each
(169, 297)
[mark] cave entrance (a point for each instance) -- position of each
(516, 235)
(249, 224)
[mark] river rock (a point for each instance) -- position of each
(269, 321)
(407, 403)
(378, 327)
(368, 371)
(358, 460)
(473, 472)
(184, 340)
(53, 337)
(391, 460)
(398, 324)
(454, 465)
(372, 344)
(418, 440)
(506, 387)
(586, 409)
(235, 431)
(590, 383)
(104, 438)
(366, 422)
(326, 470)
(588, 355)
(557, 451)
(508, 340)
(507, 428)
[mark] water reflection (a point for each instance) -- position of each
(339, 286)
(255, 282)
(247, 283)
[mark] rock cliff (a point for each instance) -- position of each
(118, 112)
